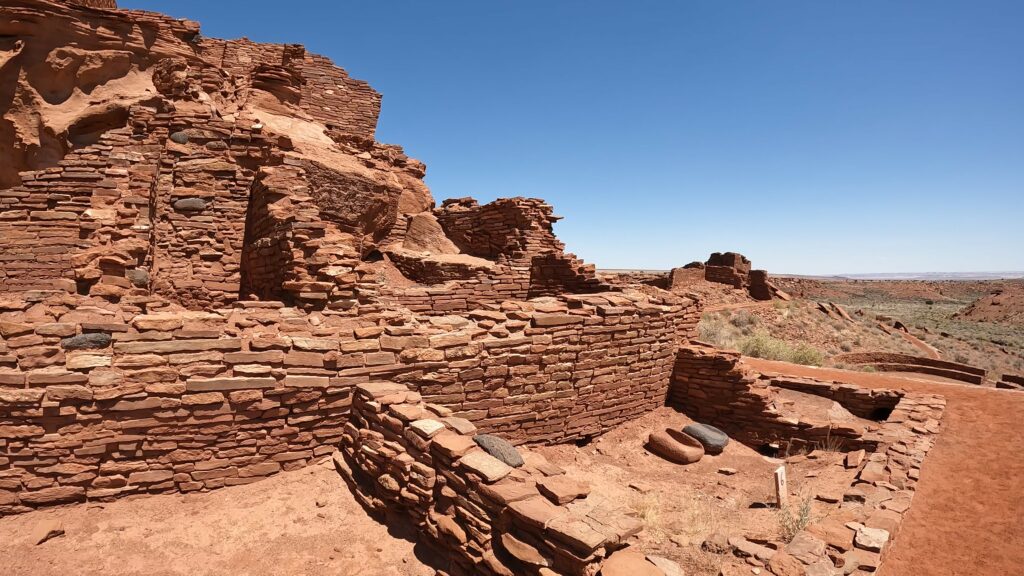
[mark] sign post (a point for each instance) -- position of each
(781, 487)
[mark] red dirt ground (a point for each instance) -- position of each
(300, 522)
(1005, 304)
(967, 515)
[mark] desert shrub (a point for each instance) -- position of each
(711, 329)
(743, 319)
(807, 355)
(794, 519)
(845, 346)
(762, 345)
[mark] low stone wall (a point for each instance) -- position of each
(713, 386)
(96, 406)
(759, 288)
(863, 402)
(627, 278)
(856, 532)
(99, 400)
(554, 370)
(895, 362)
(403, 456)
(724, 275)
(857, 527)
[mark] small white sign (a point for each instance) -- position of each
(781, 487)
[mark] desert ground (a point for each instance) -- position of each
(977, 323)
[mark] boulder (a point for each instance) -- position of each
(675, 446)
(782, 564)
(713, 439)
(499, 448)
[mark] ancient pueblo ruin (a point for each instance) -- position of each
(212, 273)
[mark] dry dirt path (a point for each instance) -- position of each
(967, 518)
(270, 527)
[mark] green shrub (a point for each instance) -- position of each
(794, 519)
(762, 345)
(804, 354)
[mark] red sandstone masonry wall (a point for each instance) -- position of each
(507, 226)
(328, 93)
(714, 387)
(88, 219)
(863, 402)
(406, 457)
(202, 200)
(176, 401)
(341, 102)
(529, 261)
(569, 372)
(106, 4)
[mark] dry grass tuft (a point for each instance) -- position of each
(647, 508)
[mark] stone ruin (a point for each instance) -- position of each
(729, 268)
(735, 270)
(211, 272)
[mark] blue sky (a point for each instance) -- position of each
(815, 137)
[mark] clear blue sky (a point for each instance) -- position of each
(815, 137)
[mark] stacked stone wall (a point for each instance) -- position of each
(99, 400)
(559, 373)
(506, 227)
(97, 405)
(528, 260)
(656, 279)
(896, 362)
(713, 386)
(80, 225)
(333, 97)
(105, 4)
(483, 516)
(202, 199)
(863, 402)
(725, 275)
(327, 92)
